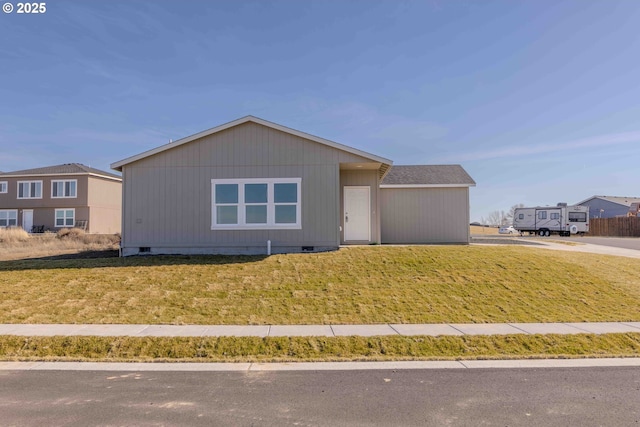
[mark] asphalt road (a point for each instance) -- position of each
(501, 397)
(616, 242)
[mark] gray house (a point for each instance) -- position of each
(253, 187)
(609, 206)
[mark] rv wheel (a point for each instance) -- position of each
(541, 233)
(547, 233)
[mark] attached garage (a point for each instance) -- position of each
(425, 204)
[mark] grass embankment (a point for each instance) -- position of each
(419, 284)
(427, 284)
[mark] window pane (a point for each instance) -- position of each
(226, 214)
(59, 222)
(59, 214)
(55, 189)
(256, 214)
(285, 193)
(226, 193)
(3, 222)
(72, 189)
(286, 214)
(69, 222)
(255, 193)
(20, 190)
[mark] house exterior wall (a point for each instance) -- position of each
(105, 205)
(365, 178)
(610, 209)
(168, 203)
(425, 215)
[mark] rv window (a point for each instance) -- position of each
(555, 215)
(521, 216)
(577, 217)
(542, 215)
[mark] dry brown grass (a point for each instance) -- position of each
(475, 229)
(13, 235)
(18, 244)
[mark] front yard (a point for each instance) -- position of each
(378, 284)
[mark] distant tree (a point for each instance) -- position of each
(496, 218)
(512, 212)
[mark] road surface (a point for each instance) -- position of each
(500, 397)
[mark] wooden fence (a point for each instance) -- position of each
(620, 227)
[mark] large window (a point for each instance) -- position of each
(3, 186)
(64, 188)
(256, 203)
(8, 218)
(65, 217)
(29, 189)
(542, 214)
(577, 217)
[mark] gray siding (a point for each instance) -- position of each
(425, 215)
(167, 196)
(609, 209)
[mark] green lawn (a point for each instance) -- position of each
(377, 284)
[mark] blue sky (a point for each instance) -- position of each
(538, 100)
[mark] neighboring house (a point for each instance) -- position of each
(254, 187)
(608, 206)
(55, 197)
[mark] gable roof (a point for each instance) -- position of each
(427, 176)
(119, 164)
(65, 169)
(620, 200)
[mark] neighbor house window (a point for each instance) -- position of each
(542, 215)
(64, 188)
(29, 189)
(3, 186)
(8, 218)
(577, 217)
(256, 203)
(65, 217)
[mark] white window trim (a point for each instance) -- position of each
(4, 187)
(271, 224)
(8, 211)
(55, 217)
(53, 183)
(28, 182)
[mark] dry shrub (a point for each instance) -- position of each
(13, 234)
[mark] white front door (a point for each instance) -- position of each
(27, 220)
(357, 214)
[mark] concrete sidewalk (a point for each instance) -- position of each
(317, 330)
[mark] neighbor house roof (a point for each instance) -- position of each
(427, 176)
(118, 165)
(620, 200)
(65, 169)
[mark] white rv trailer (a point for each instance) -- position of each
(546, 220)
